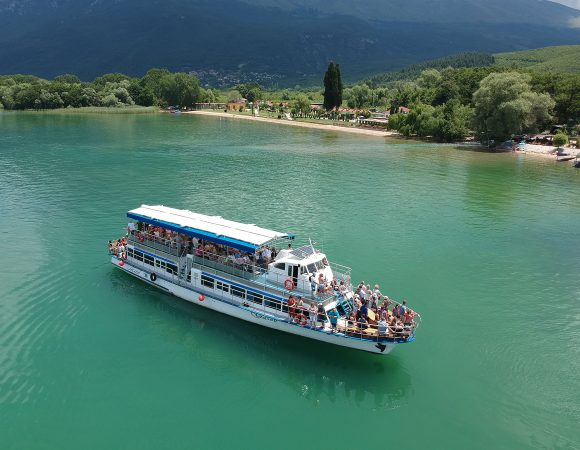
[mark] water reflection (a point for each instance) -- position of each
(315, 371)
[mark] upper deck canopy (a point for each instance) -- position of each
(215, 229)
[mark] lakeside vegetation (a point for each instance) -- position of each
(446, 100)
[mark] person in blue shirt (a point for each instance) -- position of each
(364, 310)
(333, 316)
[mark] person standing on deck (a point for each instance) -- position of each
(313, 315)
(291, 307)
(333, 316)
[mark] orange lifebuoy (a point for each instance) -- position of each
(301, 319)
(201, 298)
(289, 284)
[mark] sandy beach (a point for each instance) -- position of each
(318, 126)
(545, 151)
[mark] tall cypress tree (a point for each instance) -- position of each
(332, 87)
(338, 94)
(328, 91)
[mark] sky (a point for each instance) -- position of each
(571, 3)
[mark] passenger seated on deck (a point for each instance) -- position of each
(111, 248)
(408, 317)
(300, 306)
(342, 287)
(382, 327)
(362, 323)
(351, 319)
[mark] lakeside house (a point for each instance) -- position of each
(403, 110)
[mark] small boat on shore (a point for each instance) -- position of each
(257, 275)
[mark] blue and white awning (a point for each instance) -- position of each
(215, 229)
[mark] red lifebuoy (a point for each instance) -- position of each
(140, 237)
(201, 298)
(289, 284)
(121, 263)
(301, 319)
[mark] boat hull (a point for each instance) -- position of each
(252, 315)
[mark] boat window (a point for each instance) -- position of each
(223, 286)
(148, 259)
(130, 252)
(255, 298)
(311, 268)
(172, 268)
(238, 292)
(279, 266)
(207, 281)
(303, 269)
(271, 303)
(138, 255)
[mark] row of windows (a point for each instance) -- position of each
(147, 259)
(237, 291)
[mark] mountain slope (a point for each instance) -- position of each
(290, 40)
(564, 58)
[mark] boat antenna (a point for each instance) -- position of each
(312, 245)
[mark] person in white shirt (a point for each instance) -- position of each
(313, 314)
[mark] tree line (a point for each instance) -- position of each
(158, 87)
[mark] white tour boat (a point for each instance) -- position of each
(256, 275)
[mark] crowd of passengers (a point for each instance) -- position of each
(200, 248)
(118, 248)
(371, 311)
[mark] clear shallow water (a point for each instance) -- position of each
(486, 247)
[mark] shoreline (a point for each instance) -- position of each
(317, 126)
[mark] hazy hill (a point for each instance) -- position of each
(564, 58)
(283, 42)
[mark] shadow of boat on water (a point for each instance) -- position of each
(314, 370)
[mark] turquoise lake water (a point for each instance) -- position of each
(485, 246)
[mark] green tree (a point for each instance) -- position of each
(179, 89)
(250, 91)
(111, 78)
(153, 80)
(505, 105)
(560, 139)
(332, 87)
(301, 104)
(67, 78)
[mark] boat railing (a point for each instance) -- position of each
(170, 246)
(249, 271)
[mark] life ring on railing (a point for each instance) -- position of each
(152, 277)
(289, 284)
(301, 319)
(140, 237)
